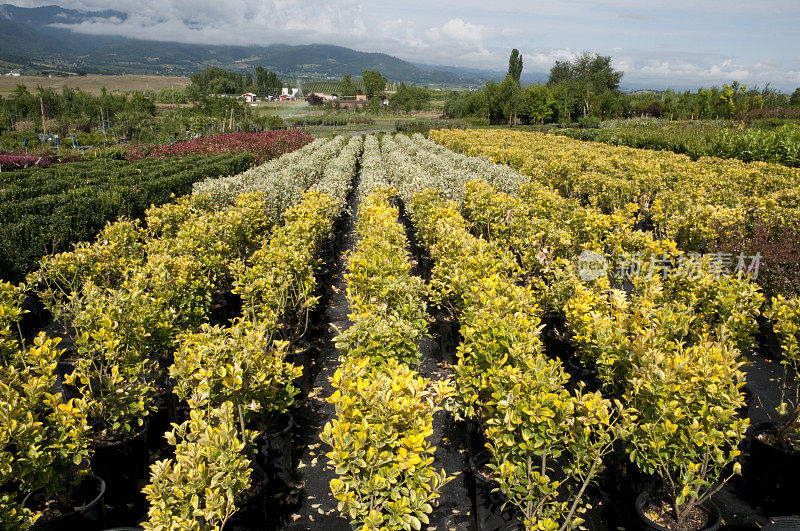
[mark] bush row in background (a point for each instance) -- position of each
(15, 161)
(330, 120)
(264, 146)
(51, 223)
(781, 146)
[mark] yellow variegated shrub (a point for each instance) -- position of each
(384, 414)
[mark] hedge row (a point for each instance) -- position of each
(50, 224)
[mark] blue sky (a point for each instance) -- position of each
(679, 43)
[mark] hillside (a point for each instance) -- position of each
(28, 39)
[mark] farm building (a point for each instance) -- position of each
(249, 97)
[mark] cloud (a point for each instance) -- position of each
(699, 69)
(635, 16)
(754, 46)
(240, 22)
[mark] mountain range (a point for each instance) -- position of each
(29, 39)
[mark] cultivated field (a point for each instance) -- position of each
(93, 83)
(380, 332)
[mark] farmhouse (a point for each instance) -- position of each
(249, 97)
(285, 95)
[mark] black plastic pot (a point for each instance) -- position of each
(490, 515)
(251, 512)
(160, 420)
(743, 411)
(125, 467)
(302, 358)
(579, 373)
(774, 478)
(715, 519)
(476, 438)
(274, 451)
(449, 337)
(90, 517)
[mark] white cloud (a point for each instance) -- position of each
(475, 34)
(700, 69)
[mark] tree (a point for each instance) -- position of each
(587, 78)
(273, 85)
(313, 99)
(409, 98)
(515, 65)
(538, 104)
(215, 80)
(374, 82)
(346, 88)
(794, 99)
(731, 99)
(509, 93)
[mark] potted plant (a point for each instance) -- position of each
(242, 365)
(503, 330)
(384, 413)
(547, 445)
(379, 448)
(115, 331)
(43, 437)
(775, 450)
(198, 488)
(684, 428)
(120, 246)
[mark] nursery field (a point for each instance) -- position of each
(48, 209)
(378, 332)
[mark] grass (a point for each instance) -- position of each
(93, 83)
(286, 109)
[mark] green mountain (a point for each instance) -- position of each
(28, 39)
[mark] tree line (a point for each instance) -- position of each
(260, 82)
(587, 89)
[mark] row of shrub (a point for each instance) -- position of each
(711, 205)
(306, 121)
(779, 146)
(384, 408)
(135, 300)
(235, 379)
(263, 146)
(51, 223)
(665, 347)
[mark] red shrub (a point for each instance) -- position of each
(16, 161)
(264, 146)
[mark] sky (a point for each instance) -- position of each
(676, 43)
